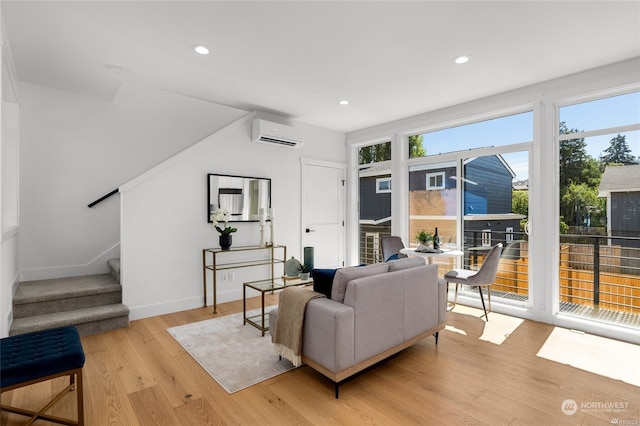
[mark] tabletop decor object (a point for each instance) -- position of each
(218, 216)
(292, 267)
(261, 217)
(272, 217)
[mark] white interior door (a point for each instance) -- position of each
(323, 203)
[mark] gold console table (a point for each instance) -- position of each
(218, 264)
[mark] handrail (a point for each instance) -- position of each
(104, 197)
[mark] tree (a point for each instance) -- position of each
(584, 200)
(618, 152)
(415, 147)
(375, 153)
(520, 205)
(579, 178)
(382, 151)
(576, 166)
(520, 202)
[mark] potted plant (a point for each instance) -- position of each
(304, 272)
(218, 216)
(423, 237)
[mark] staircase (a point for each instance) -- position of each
(92, 303)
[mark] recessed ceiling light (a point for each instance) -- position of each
(343, 102)
(462, 59)
(200, 49)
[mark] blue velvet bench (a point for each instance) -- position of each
(35, 357)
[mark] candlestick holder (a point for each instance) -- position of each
(262, 244)
(272, 226)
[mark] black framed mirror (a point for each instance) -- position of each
(242, 196)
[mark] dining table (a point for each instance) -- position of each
(431, 255)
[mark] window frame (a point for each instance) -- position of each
(379, 182)
(428, 177)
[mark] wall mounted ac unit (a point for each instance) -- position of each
(276, 134)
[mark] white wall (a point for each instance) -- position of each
(9, 184)
(75, 149)
(164, 223)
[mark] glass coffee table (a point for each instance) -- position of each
(264, 286)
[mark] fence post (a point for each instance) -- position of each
(596, 271)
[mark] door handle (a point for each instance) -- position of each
(310, 230)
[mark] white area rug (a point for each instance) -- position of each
(235, 355)
(599, 355)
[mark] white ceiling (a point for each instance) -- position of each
(298, 59)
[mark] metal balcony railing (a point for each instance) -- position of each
(600, 271)
(595, 271)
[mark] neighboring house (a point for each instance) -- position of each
(375, 210)
(488, 189)
(521, 185)
(487, 185)
(621, 186)
(487, 199)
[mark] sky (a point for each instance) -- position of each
(600, 114)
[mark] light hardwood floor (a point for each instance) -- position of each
(141, 376)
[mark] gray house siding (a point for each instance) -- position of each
(373, 206)
(625, 217)
(418, 179)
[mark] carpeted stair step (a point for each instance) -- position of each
(92, 320)
(114, 268)
(65, 294)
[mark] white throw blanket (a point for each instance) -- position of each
(288, 328)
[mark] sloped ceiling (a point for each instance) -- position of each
(298, 59)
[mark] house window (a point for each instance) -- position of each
(508, 236)
(599, 161)
(467, 191)
(499, 131)
(374, 175)
(374, 153)
(435, 180)
(486, 238)
(383, 185)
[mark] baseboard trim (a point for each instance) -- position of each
(97, 265)
(147, 311)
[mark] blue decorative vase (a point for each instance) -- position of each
(225, 241)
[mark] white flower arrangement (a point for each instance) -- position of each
(222, 215)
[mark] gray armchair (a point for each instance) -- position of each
(483, 277)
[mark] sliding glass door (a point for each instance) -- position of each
(471, 183)
(495, 204)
